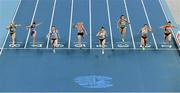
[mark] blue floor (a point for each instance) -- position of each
(128, 69)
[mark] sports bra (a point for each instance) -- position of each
(54, 35)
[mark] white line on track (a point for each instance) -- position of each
(31, 23)
(125, 4)
(90, 22)
(167, 20)
(16, 10)
(110, 27)
(70, 25)
(149, 23)
(52, 19)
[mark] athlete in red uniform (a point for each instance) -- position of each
(167, 32)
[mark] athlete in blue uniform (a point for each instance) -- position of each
(33, 31)
(54, 36)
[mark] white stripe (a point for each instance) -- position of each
(109, 18)
(31, 23)
(16, 10)
(167, 20)
(70, 25)
(52, 19)
(90, 22)
(134, 46)
(149, 23)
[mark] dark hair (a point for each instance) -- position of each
(34, 22)
(145, 24)
(102, 27)
(169, 22)
(54, 26)
(121, 16)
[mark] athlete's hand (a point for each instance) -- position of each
(150, 29)
(47, 36)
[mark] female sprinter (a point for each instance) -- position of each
(12, 28)
(167, 32)
(102, 38)
(54, 35)
(33, 31)
(144, 31)
(122, 26)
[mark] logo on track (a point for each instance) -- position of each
(94, 81)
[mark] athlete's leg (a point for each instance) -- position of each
(13, 39)
(79, 40)
(34, 38)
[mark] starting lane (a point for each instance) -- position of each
(138, 19)
(43, 17)
(114, 6)
(80, 14)
(61, 20)
(100, 18)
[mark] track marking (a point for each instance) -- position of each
(31, 23)
(122, 44)
(166, 46)
(38, 45)
(147, 17)
(127, 13)
(70, 25)
(147, 46)
(90, 22)
(110, 27)
(16, 10)
(167, 20)
(98, 46)
(52, 19)
(77, 45)
(15, 45)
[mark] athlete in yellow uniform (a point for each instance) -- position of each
(122, 26)
(12, 28)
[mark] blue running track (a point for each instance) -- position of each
(25, 68)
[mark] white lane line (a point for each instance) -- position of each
(31, 23)
(109, 18)
(52, 19)
(16, 10)
(167, 20)
(70, 25)
(125, 4)
(90, 22)
(147, 17)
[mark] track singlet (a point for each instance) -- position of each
(178, 37)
